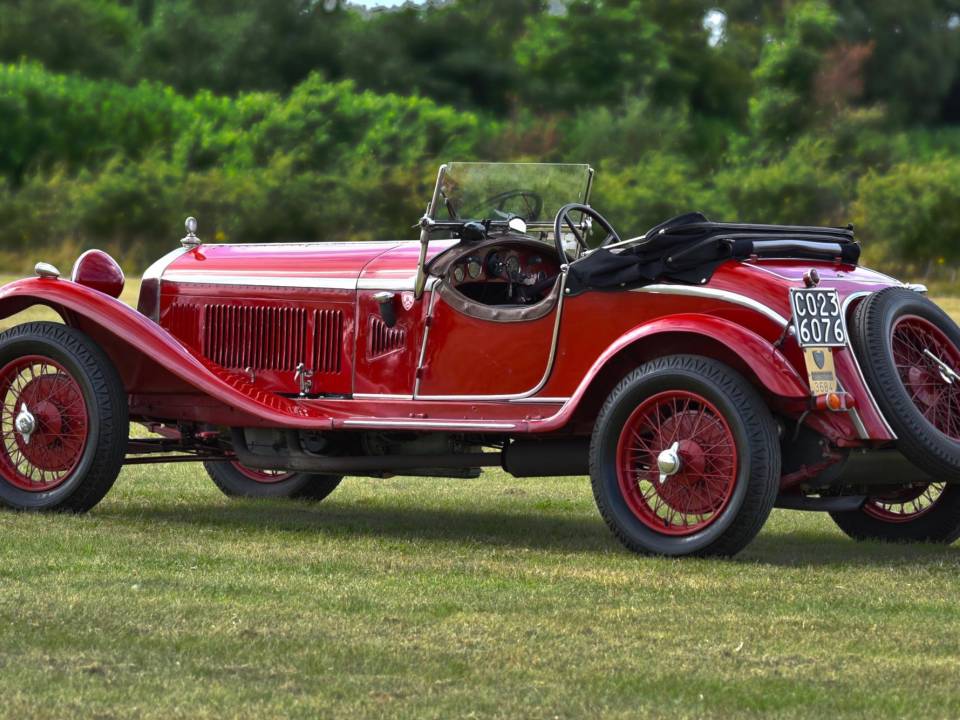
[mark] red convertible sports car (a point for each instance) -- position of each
(700, 374)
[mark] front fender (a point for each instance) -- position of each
(149, 359)
(768, 365)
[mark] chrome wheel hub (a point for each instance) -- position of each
(25, 423)
(946, 372)
(668, 462)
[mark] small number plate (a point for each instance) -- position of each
(817, 318)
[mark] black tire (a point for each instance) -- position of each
(749, 424)
(939, 524)
(873, 324)
(100, 451)
(235, 481)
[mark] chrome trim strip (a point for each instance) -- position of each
(515, 396)
(451, 424)
(396, 284)
(423, 345)
(530, 401)
(543, 400)
(858, 424)
(724, 295)
(205, 278)
(375, 396)
(156, 271)
(844, 308)
(195, 277)
(386, 284)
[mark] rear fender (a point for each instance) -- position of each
(692, 333)
(767, 365)
(150, 360)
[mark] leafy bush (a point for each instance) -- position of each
(912, 212)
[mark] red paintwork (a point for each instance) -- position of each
(696, 495)
(96, 269)
(399, 263)
(504, 358)
(289, 262)
(270, 332)
(391, 371)
(601, 334)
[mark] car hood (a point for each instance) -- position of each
(389, 264)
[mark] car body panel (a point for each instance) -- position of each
(317, 307)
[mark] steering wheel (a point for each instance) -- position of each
(563, 218)
(532, 204)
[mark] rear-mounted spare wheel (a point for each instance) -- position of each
(909, 350)
(925, 513)
(63, 419)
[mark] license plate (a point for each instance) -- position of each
(821, 371)
(817, 318)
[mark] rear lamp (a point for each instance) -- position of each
(811, 278)
(834, 402)
(99, 271)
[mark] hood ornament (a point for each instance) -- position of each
(191, 240)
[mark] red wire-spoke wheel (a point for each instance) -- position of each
(685, 459)
(64, 420)
(677, 462)
(927, 363)
(44, 423)
(906, 505)
(266, 477)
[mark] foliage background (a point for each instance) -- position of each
(320, 120)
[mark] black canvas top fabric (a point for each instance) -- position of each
(689, 248)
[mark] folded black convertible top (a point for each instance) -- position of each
(689, 248)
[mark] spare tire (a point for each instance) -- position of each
(909, 350)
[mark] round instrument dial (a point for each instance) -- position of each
(458, 273)
(513, 265)
(474, 268)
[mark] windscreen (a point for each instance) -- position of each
(533, 192)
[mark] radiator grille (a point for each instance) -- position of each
(384, 339)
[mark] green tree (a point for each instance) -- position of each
(916, 52)
(96, 38)
(784, 104)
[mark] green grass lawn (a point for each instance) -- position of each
(418, 598)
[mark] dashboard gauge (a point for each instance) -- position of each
(513, 265)
(494, 265)
(458, 273)
(474, 268)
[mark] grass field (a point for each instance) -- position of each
(493, 597)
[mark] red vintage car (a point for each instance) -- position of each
(700, 374)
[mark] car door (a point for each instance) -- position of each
(501, 354)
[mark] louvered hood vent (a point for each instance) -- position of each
(261, 337)
(384, 339)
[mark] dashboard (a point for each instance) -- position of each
(504, 274)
